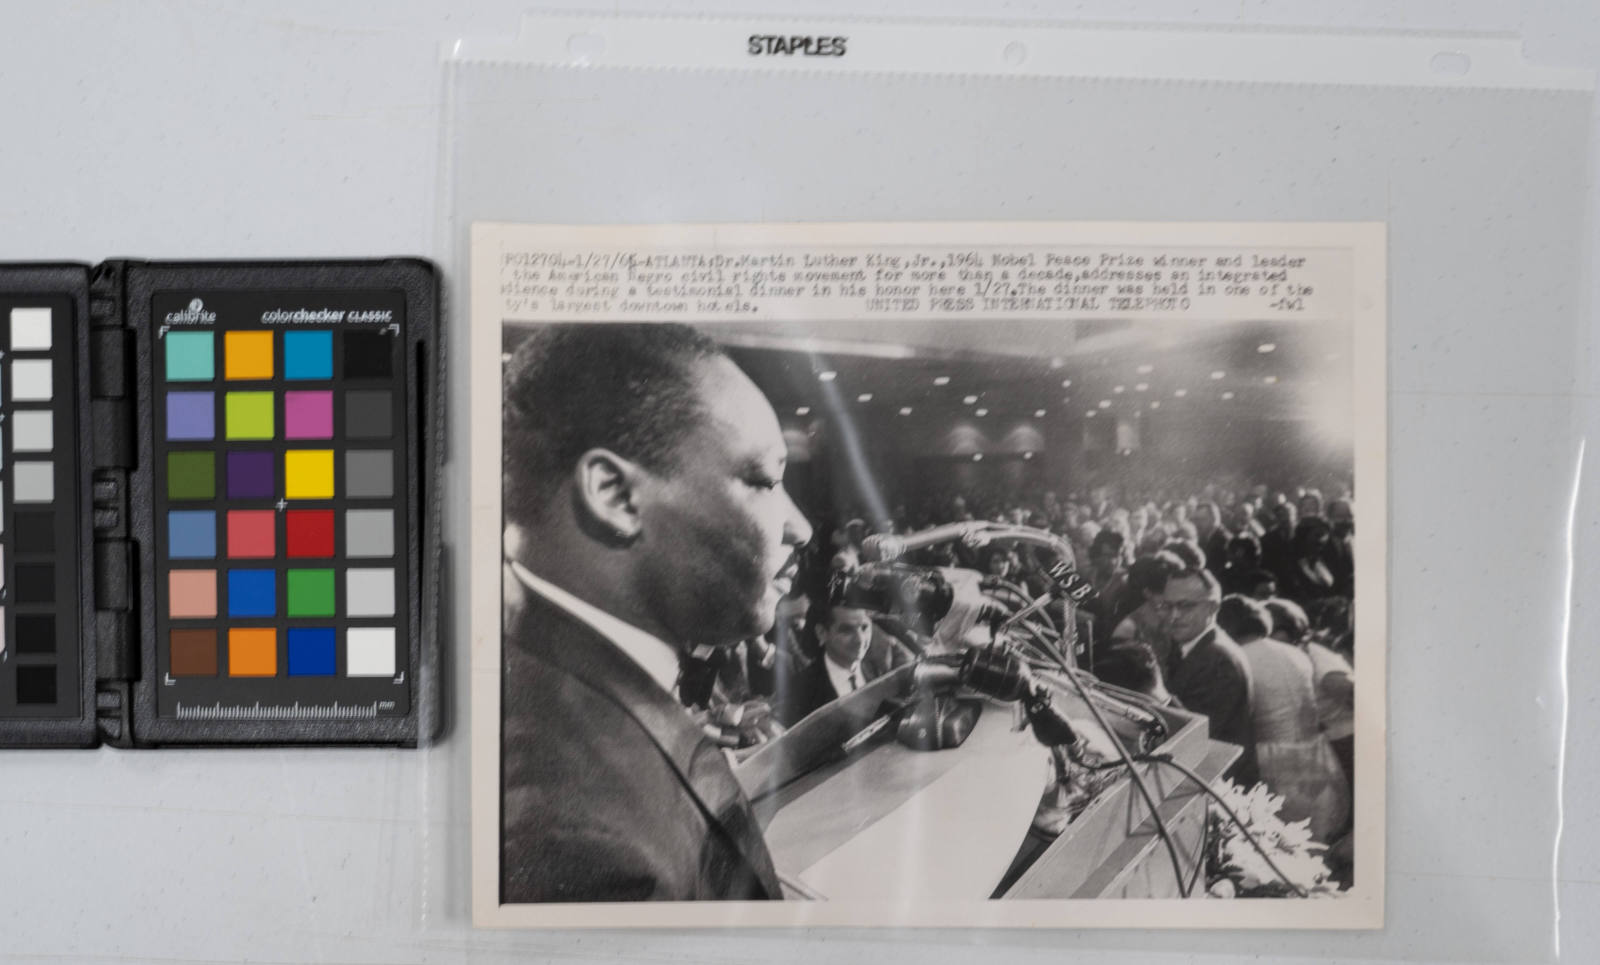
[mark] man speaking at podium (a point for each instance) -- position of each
(645, 515)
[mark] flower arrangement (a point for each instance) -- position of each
(1235, 869)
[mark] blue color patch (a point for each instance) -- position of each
(311, 652)
(252, 593)
(192, 534)
(308, 355)
(191, 416)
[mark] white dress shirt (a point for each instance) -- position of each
(653, 655)
(840, 676)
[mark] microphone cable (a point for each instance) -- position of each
(1233, 816)
(1133, 773)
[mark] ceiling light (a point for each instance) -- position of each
(1091, 413)
(1156, 404)
(982, 412)
(977, 457)
(1180, 393)
(1119, 389)
(1227, 395)
(803, 410)
(1066, 383)
(1142, 386)
(941, 380)
(1271, 380)
(905, 410)
(864, 397)
(1038, 413)
(969, 399)
(1058, 362)
(1266, 347)
(1105, 403)
(1218, 374)
(1145, 369)
(1027, 455)
(827, 376)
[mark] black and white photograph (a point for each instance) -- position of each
(888, 619)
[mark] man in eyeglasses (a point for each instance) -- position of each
(1206, 670)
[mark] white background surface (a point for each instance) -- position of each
(312, 129)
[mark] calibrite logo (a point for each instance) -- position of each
(195, 314)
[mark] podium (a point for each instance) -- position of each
(850, 813)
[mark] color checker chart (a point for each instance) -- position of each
(218, 511)
(280, 503)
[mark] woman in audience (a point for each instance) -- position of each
(1332, 677)
(1294, 756)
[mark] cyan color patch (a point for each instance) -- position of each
(191, 356)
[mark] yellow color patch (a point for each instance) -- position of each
(252, 652)
(308, 474)
(247, 355)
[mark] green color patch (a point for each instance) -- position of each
(311, 593)
(191, 475)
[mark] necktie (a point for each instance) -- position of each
(855, 680)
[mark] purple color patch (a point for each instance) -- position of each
(308, 415)
(251, 475)
(191, 415)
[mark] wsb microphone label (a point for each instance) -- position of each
(773, 45)
(1070, 582)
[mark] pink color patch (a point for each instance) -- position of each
(308, 415)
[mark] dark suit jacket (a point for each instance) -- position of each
(800, 690)
(1215, 680)
(609, 791)
(805, 690)
(1216, 550)
(1277, 554)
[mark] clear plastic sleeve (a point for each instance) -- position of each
(1480, 179)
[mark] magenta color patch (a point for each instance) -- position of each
(308, 415)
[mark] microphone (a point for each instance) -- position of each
(1000, 672)
(886, 547)
(1067, 581)
(920, 594)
